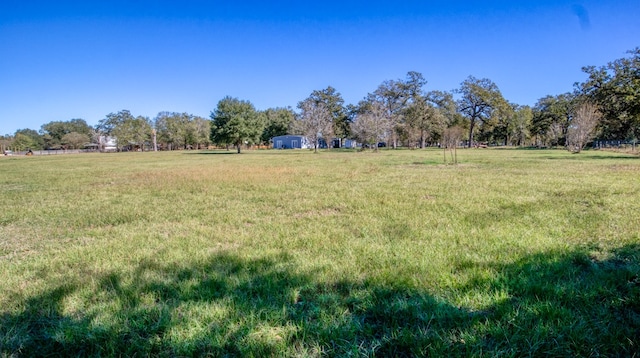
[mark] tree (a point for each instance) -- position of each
(615, 89)
(551, 117)
(127, 129)
(371, 124)
(314, 121)
(582, 127)
(278, 121)
(54, 131)
(391, 95)
(479, 98)
(519, 127)
(334, 105)
(235, 122)
(28, 139)
(74, 140)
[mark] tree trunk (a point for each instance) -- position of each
(239, 145)
(471, 133)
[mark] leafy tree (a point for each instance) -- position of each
(423, 120)
(235, 122)
(582, 127)
(23, 141)
(551, 117)
(479, 99)
(314, 121)
(278, 121)
(519, 127)
(615, 89)
(28, 139)
(201, 131)
(127, 129)
(54, 131)
(74, 140)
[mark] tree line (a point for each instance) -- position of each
(398, 112)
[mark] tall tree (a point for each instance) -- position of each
(392, 96)
(582, 127)
(314, 121)
(478, 100)
(334, 105)
(235, 122)
(615, 89)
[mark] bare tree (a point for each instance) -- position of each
(314, 121)
(582, 127)
(371, 124)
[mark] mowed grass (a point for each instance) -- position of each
(290, 253)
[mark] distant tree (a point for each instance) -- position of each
(278, 121)
(54, 131)
(551, 117)
(371, 124)
(519, 127)
(127, 129)
(314, 121)
(479, 98)
(201, 131)
(235, 122)
(423, 120)
(582, 128)
(28, 139)
(615, 89)
(334, 104)
(392, 96)
(23, 142)
(172, 129)
(74, 140)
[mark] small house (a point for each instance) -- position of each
(291, 142)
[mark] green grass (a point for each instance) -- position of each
(290, 253)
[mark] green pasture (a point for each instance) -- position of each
(289, 253)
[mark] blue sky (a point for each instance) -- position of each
(61, 60)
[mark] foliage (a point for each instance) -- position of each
(27, 139)
(130, 132)
(74, 140)
(314, 121)
(480, 99)
(182, 130)
(551, 117)
(235, 122)
(53, 132)
(615, 89)
(278, 122)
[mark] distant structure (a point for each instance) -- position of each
(290, 142)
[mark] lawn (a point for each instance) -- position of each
(290, 253)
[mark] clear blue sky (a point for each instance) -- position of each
(61, 60)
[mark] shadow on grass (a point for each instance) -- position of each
(558, 304)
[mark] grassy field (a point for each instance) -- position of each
(290, 253)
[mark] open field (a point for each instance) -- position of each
(287, 253)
